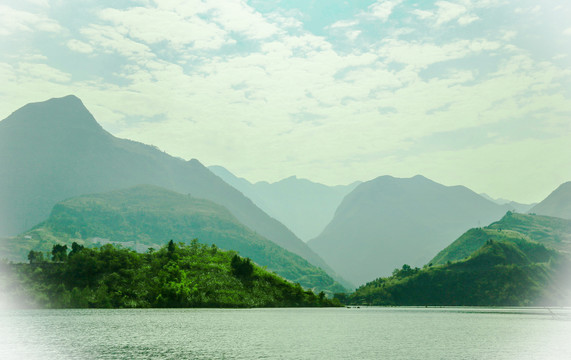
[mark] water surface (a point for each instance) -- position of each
(340, 333)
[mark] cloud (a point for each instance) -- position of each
(423, 14)
(14, 21)
(43, 72)
(201, 25)
(343, 24)
(152, 26)
(237, 16)
(79, 46)
(448, 11)
(112, 41)
(422, 54)
(567, 32)
(383, 9)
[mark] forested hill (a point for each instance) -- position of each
(550, 231)
(177, 275)
(500, 273)
(147, 216)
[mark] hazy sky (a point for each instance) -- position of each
(471, 92)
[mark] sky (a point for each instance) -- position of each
(464, 92)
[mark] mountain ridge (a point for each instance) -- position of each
(388, 221)
(44, 167)
(304, 206)
(557, 204)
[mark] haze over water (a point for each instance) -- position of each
(364, 333)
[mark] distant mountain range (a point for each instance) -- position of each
(387, 222)
(149, 216)
(54, 150)
(305, 207)
(558, 203)
(519, 207)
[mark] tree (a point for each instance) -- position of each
(241, 268)
(35, 257)
(75, 248)
(59, 252)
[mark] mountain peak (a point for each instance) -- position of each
(54, 114)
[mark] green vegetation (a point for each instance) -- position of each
(176, 275)
(513, 227)
(148, 216)
(521, 273)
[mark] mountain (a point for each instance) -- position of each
(513, 205)
(499, 273)
(549, 231)
(149, 216)
(175, 276)
(558, 203)
(303, 206)
(54, 150)
(387, 222)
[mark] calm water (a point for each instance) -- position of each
(364, 333)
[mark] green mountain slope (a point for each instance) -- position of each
(505, 273)
(303, 206)
(54, 150)
(146, 216)
(557, 204)
(550, 231)
(175, 276)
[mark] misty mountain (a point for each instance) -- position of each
(515, 206)
(387, 222)
(54, 150)
(558, 203)
(150, 216)
(305, 207)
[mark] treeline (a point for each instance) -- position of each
(177, 275)
(498, 274)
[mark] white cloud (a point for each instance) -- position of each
(112, 41)
(14, 21)
(79, 46)
(343, 24)
(383, 9)
(423, 14)
(157, 25)
(237, 16)
(43, 72)
(467, 19)
(448, 11)
(420, 55)
(567, 32)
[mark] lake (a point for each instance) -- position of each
(338, 333)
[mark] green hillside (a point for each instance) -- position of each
(193, 275)
(550, 231)
(500, 273)
(148, 216)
